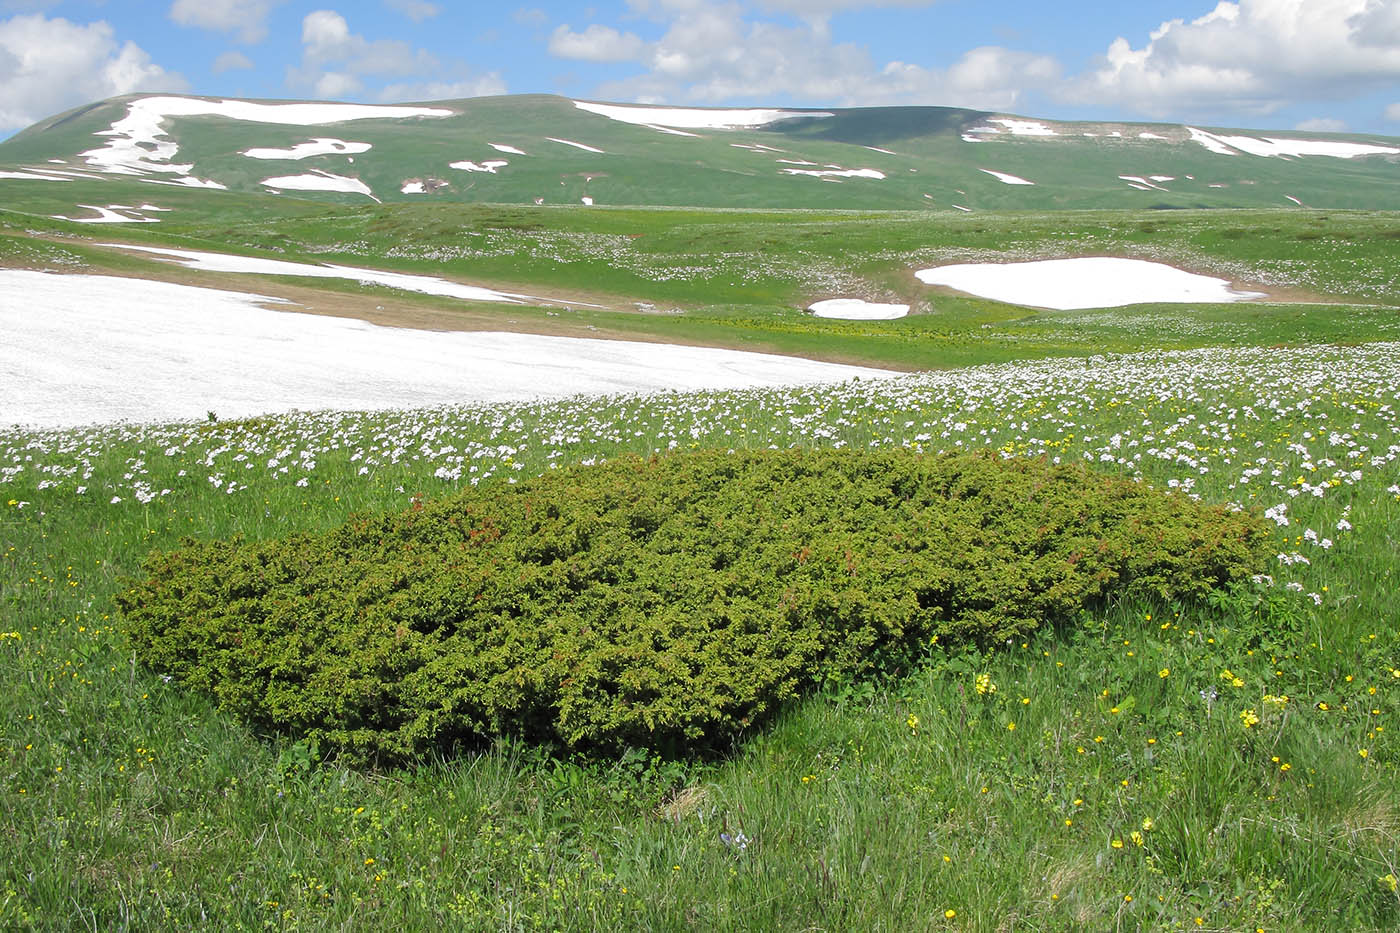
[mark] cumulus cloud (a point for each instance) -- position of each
(334, 59)
(595, 44)
(231, 61)
(49, 65)
(530, 16)
(719, 53)
(247, 18)
(416, 10)
(1322, 125)
(1252, 57)
(339, 63)
(488, 85)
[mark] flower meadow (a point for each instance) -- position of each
(1224, 765)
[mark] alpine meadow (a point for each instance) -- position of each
(530, 513)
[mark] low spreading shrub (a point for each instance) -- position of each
(664, 603)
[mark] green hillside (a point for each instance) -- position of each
(526, 149)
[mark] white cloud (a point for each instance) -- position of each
(1322, 125)
(530, 16)
(49, 65)
(247, 18)
(416, 10)
(820, 9)
(326, 37)
(1392, 113)
(1251, 57)
(336, 84)
(595, 44)
(718, 53)
(231, 61)
(334, 59)
(488, 85)
(337, 63)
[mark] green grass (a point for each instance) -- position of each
(741, 279)
(129, 803)
(930, 168)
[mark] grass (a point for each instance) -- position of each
(130, 803)
(930, 167)
(740, 279)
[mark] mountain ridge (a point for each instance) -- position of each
(545, 149)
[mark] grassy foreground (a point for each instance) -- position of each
(1227, 766)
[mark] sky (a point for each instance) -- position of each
(1326, 65)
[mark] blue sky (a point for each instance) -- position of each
(1276, 64)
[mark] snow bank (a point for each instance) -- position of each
(109, 215)
(1137, 181)
(570, 142)
(314, 147)
(139, 146)
(692, 118)
(108, 349)
(834, 172)
(1090, 282)
(424, 284)
(1273, 146)
(1006, 179)
(33, 176)
(489, 166)
(856, 309)
(318, 181)
(1024, 127)
(502, 147)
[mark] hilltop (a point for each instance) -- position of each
(536, 149)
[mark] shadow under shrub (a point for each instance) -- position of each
(662, 603)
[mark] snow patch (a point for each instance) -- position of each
(120, 349)
(33, 176)
(1274, 146)
(319, 181)
(1137, 181)
(1090, 282)
(502, 147)
(827, 174)
(139, 146)
(1006, 179)
(692, 118)
(1150, 136)
(587, 200)
(319, 146)
(108, 215)
(1024, 127)
(489, 166)
(878, 149)
(856, 309)
(424, 284)
(413, 187)
(570, 142)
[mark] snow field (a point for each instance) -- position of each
(692, 118)
(857, 309)
(314, 147)
(118, 349)
(1087, 282)
(423, 284)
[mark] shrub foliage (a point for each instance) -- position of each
(664, 603)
